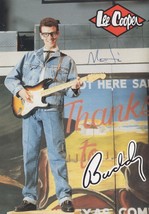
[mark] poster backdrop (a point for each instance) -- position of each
(106, 131)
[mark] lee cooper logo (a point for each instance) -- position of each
(117, 20)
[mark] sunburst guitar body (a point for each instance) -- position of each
(38, 92)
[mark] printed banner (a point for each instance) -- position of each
(106, 131)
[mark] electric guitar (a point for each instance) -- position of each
(22, 108)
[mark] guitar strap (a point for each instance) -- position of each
(62, 55)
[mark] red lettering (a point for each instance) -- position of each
(103, 116)
(113, 111)
(106, 116)
(131, 107)
(84, 152)
(80, 117)
(73, 106)
(145, 109)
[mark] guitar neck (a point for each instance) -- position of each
(60, 87)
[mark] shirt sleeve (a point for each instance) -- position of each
(72, 76)
(13, 80)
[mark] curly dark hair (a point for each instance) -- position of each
(49, 22)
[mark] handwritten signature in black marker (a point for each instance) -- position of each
(93, 58)
(93, 176)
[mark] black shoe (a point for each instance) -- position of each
(67, 206)
(25, 206)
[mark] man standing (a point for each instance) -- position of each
(36, 66)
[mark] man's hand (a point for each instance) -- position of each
(78, 83)
(25, 95)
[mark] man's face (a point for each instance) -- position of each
(49, 35)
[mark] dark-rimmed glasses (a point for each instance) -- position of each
(52, 34)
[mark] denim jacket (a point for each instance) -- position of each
(28, 71)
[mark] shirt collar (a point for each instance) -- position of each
(52, 49)
(39, 53)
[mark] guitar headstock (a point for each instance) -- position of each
(93, 77)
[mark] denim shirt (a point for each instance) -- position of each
(27, 73)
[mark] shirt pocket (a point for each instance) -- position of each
(50, 71)
(31, 74)
(62, 74)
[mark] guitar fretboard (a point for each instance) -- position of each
(60, 87)
(90, 77)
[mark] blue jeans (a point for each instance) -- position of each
(52, 124)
